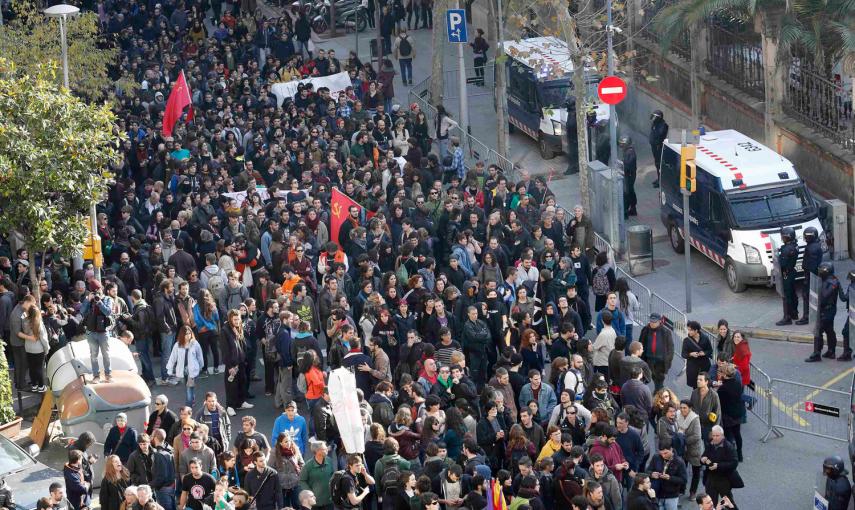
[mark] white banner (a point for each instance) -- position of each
(240, 196)
(345, 407)
(335, 82)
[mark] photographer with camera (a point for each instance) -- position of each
(97, 312)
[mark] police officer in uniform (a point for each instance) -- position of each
(787, 256)
(630, 171)
(845, 292)
(658, 134)
(828, 291)
(810, 264)
(838, 490)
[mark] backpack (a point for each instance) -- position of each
(405, 48)
(517, 502)
(390, 477)
(216, 285)
(96, 321)
(271, 331)
(336, 493)
(402, 272)
(601, 282)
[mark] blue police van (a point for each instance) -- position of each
(746, 193)
(540, 85)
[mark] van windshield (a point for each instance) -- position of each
(554, 94)
(774, 207)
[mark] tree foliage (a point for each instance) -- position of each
(31, 39)
(54, 154)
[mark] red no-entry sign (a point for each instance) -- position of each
(612, 90)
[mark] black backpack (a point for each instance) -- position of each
(405, 48)
(337, 494)
(96, 321)
(390, 477)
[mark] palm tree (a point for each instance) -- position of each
(821, 29)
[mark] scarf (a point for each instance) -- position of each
(288, 453)
(313, 224)
(446, 383)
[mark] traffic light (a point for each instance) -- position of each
(688, 170)
(92, 246)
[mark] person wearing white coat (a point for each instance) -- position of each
(186, 362)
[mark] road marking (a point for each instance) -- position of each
(787, 410)
(831, 382)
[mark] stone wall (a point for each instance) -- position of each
(826, 167)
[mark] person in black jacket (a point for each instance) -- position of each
(262, 483)
(162, 417)
(810, 265)
(668, 472)
(162, 470)
(233, 348)
(838, 490)
(142, 323)
(476, 339)
(121, 440)
(629, 173)
(641, 496)
(140, 462)
(490, 433)
(720, 460)
(658, 134)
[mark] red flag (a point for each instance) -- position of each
(179, 98)
(340, 207)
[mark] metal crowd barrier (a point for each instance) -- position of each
(760, 399)
(642, 293)
(824, 412)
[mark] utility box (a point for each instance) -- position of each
(839, 229)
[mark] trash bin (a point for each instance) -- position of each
(93, 407)
(640, 249)
(373, 45)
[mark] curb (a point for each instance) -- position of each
(778, 335)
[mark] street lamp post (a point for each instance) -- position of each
(61, 12)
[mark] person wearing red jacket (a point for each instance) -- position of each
(606, 445)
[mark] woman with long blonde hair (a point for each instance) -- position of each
(233, 344)
(36, 346)
(116, 480)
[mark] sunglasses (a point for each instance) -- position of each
(158, 403)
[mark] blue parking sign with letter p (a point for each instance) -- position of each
(455, 20)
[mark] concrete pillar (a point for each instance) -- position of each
(768, 24)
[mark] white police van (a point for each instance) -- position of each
(746, 193)
(540, 83)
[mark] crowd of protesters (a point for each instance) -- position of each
(489, 339)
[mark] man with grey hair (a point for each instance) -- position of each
(144, 496)
(316, 475)
(721, 462)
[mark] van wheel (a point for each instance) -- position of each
(676, 239)
(546, 151)
(732, 276)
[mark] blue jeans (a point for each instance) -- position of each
(167, 340)
(99, 342)
(166, 498)
(143, 347)
(443, 148)
(668, 504)
(406, 70)
(190, 393)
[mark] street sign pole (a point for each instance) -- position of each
(612, 109)
(687, 224)
(457, 33)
